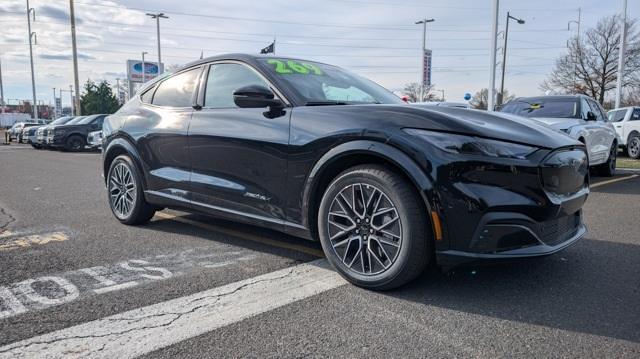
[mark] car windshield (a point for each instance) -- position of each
(86, 120)
(540, 107)
(76, 120)
(61, 120)
(321, 84)
(616, 116)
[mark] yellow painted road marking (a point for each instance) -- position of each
(613, 181)
(31, 240)
(247, 236)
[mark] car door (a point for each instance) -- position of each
(238, 155)
(589, 130)
(632, 124)
(605, 132)
(160, 128)
(618, 119)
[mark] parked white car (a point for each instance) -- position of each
(578, 116)
(626, 121)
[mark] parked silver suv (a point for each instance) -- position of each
(578, 116)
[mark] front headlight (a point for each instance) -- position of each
(470, 145)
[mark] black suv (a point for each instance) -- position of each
(315, 151)
(73, 136)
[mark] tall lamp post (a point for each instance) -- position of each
(622, 49)
(504, 55)
(577, 55)
(158, 16)
(424, 48)
(144, 68)
(31, 10)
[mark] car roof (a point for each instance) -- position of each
(241, 57)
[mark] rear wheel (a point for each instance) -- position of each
(372, 228)
(74, 143)
(633, 146)
(126, 195)
(608, 169)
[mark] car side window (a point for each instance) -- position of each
(177, 91)
(616, 116)
(597, 110)
(635, 116)
(224, 79)
(584, 108)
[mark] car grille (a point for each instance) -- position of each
(558, 230)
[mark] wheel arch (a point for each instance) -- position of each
(121, 146)
(632, 133)
(355, 153)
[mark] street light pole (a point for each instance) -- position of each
(577, 55)
(31, 36)
(424, 49)
(76, 81)
(158, 16)
(492, 67)
(504, 55)
(74, 110)
(1, 90)
(623, 40)
(144, 68)
(55, 104)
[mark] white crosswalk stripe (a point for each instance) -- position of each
(146, 329)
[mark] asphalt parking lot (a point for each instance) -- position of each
(75, 282)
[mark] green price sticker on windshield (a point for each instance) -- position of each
(294, 67)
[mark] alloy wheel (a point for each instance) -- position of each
(365, 229)
(122, 190)
(634, 147)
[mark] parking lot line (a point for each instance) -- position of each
(153, 327)
(294, 247)
(31, 240)
(603, 183)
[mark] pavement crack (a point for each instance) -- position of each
(10, 219)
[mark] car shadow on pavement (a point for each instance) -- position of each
(243, 239)
(593, 288)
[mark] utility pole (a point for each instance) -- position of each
(76, 81)
(577, 55)
(144, 68)
(504, 55)
(621, 60)
(158, 16)
(31, 36)
(1, 90)
(492, 68)
(74, 110)
(424, 49)
(55, 105)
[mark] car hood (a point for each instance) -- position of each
(69, 127)
(494, 125)
(557, 122)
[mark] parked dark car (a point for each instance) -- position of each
(72, 136)
(315, 151)
(41, 132)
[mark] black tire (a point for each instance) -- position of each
(74, 143)
(633, 146)
(608, 169)
(140, 211)
(412, 254)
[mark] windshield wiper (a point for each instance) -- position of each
(325, 103)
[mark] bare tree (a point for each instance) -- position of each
(412, 91)
(480, 100)
(591, 65)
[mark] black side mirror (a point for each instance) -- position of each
(591, 116)
(255, 96)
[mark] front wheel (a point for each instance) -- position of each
(126, 195)
(633, 146)
(74, 144)
(608, 169)
(373, 228)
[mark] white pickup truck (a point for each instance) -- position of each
(626, 121)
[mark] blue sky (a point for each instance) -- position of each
(375, 38)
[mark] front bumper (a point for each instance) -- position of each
(511, 209)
